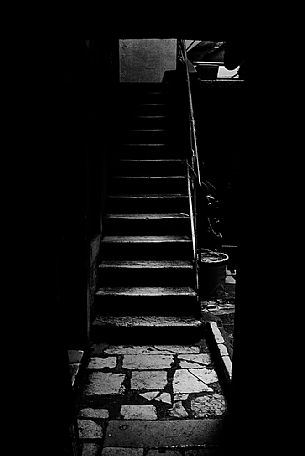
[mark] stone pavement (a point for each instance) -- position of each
(145, 400)
(222, 310)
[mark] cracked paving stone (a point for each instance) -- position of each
(118, 451)
(178, 411)
(90, 449)
(94, 413)
(148, 380)
(185, 382)
(205, 375)
(139, 412)
(179, 349)
(202, 452)
(150, 395)
(207, 406)
(156, 452)
(105, 383)
(102, 363)
(89, 429)
(187, 361)
(150, 349)
(147, 361)
(164, 397)
(180, 397)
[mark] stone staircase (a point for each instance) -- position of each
(146, 275)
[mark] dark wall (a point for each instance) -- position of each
(219, 117)
(84, 77)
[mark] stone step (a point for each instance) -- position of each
(147, 150)
(154, 223)
(162, 434)
(142, 91)
(146, 273)
(145, 300)
(146, 264)
(151, 108)
(146, 184)
(149, 135)
(154, 121)
(147, 247)
(148, 202)
(146, 292)
(145, 329)
(157, 167)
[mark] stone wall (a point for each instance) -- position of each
(145, 60)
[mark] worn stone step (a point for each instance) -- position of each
(149, 150)
(146, 272)
(162, 434)
(152, 216)
(156, 135)
(152, 108)
(142, 91)
(147, 292)
(142, 184)
(141, 120)
(145, 300)
(146, 329)
(133, 100)
(153, 223)
(146, 264)
(147, 202)
(147, 247)
(157, 167)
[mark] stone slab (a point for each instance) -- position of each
(139, 412)
(74, 369)
(93, 413)
(202, 452)
(205, 375)
(150, 349)
(89, 429)
(145, 380)
(90, 449)
(194, 360)
(229, 279)
(101, 383)
(117, 451)
(154, 434)
(164, 397)
(209, 405)
(228, 365)
(223, 349)
(145, 361)
(150, 395)
(102, 363)
(216, 333)
(186, 382)
(178, 411)
(181, 397)
(156, 452)
(75, 356)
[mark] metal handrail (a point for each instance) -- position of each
(193, 168)
(193, 143)
(203, 63)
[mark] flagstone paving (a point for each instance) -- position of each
(140, 400)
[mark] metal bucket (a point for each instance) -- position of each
(212, 274)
